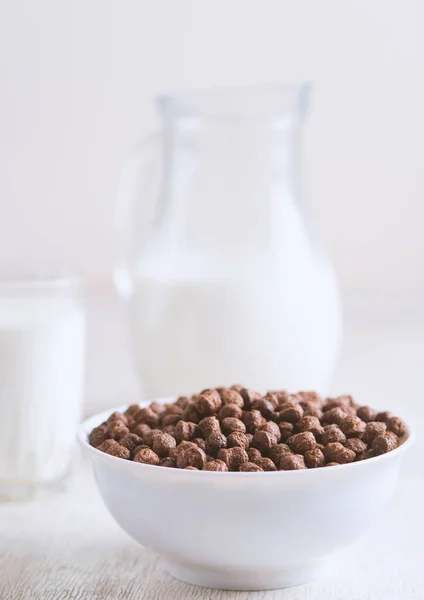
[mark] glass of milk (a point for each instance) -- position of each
(229, 284)
(42, 333)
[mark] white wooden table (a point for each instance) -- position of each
(65, 546)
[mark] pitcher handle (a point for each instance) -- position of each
(138, 186)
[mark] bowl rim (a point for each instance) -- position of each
(94, 420)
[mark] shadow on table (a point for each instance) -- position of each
(110, 569)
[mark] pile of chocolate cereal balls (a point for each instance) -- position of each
(238, 429)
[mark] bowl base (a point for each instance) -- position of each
(248, 580)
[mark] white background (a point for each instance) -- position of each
(76, 82)
(77, 79)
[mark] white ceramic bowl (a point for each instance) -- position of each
(244, 531)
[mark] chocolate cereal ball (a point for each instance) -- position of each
(253, 420)
(117, 429)
(230, 410)
(309, 410)
(131, 410)
(172, 409)
(201, 443)
(291, 412)
(311, 424)
(334, 415)
(372, 430)
(119, 451)
(236, 386)
(150, 437)
(109, 443)
(273, 398)
(314, 458)
(273, 429)
(353, 427)
(208, 403)
(366, 414)
(209, 425)
(301, 442)
(264, 406)
(142, 430)
(191, 457)
(333, 433)
(229, 396)
(163, 444)
(182, 402)
(233, 457)
(131, 441)
(250, 467)
(357, 445)
(137, 449)
(147, 416)
(117, 416)
(237, 438)
(286, 430)
(170, 419)
(230, 424)
(98, 436)
(336, 452)
(249, 397)
(384, 416)
(292, 462)
(384, 443)
(168, 462)
(185, 431)
(147, 456)
(190, 414)
(276, 452)
(344, 402)
(215, 465)
(254, 454)
(215, 442)
(397, 426)
(310, 398)
(266, 464)
(263, 441)
(158, 408)
(236, 457)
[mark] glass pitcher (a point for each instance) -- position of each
(228, 285)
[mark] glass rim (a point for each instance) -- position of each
(262, 100)
(237, 90)
(40, 282)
